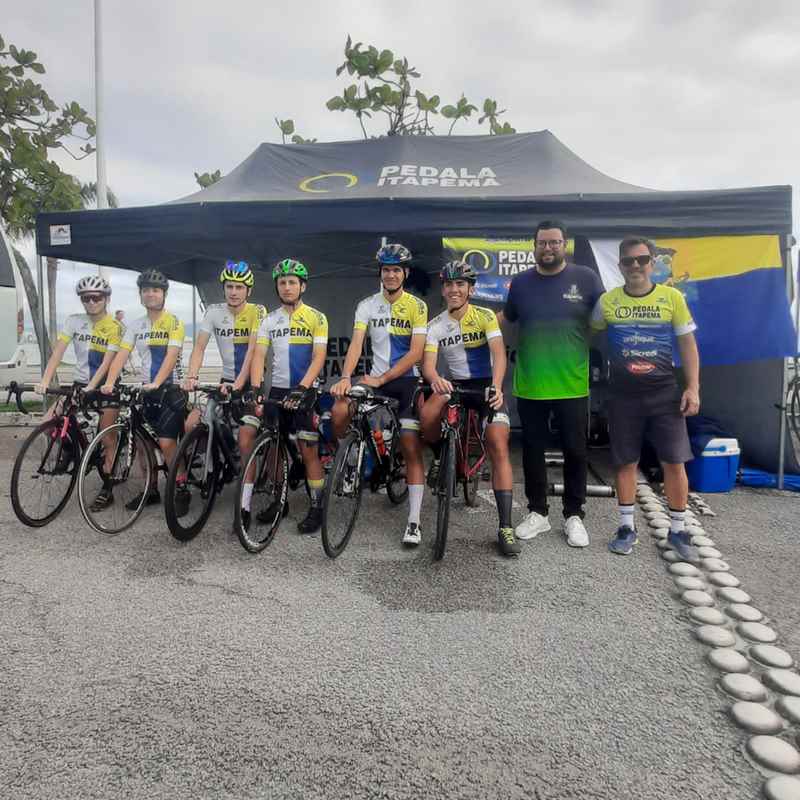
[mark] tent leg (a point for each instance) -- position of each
(787, 254)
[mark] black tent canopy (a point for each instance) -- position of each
(290, 199)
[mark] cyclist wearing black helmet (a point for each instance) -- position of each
(157, 338)
(396, 322)
(468, 337)
(296, 337)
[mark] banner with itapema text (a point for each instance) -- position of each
(734, 286)
(496, 261)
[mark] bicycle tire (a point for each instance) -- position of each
(794, 407)
(117, 517)
(268, 486)
(190, 457)
(337, 490)
(445, 491)
(21, 500)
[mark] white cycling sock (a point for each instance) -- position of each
(626, 516)
(415, 493)
(247, 496)
(677, 520)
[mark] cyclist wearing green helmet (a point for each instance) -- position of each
(297, 335)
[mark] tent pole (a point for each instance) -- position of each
(785, 377)
(194, 316)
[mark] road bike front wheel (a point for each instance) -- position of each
(44, 473)
(191, 485)
(131, 477)
(342, 498)
(396, 486)
(444, 492)
(270, 465)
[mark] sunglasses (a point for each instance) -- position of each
(629, 261)
(92, 298)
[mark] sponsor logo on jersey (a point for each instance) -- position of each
(573, 295)
(92, 338)
(637, 312)
(277, 333)
(244, 332)
(640, 367)
(466, 338)
(390, 322)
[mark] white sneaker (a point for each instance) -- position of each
(532, 526)
(576, 532)
(413, 535)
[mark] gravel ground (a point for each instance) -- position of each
(139, 665)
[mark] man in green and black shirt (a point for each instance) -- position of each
(552, 304)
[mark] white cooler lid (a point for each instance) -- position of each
(722, 447)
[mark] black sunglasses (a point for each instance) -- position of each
(628, 261)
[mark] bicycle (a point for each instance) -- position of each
(342, 497)
(206, 460)
(277, 467)
(46, 468)
(461, 458)
(134, 469)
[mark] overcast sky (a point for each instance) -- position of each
(669, 95)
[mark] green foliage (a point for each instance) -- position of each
(207, 178)
(385, 89)
(286, 127)
(31, 126)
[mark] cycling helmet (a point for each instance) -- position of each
(237, 272)
(458, 271)
(290, 267)
(93, 283)
(154, 279)
(393, 254)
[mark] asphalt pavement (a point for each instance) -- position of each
(140, 666)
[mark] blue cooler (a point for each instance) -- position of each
(715, 469)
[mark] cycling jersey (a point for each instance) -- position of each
(390, 328)
(232, 333)
(91, 340)
(464, 343)
(640, 331)
(292, 339)
(151, 340)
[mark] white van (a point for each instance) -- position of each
(13, 361)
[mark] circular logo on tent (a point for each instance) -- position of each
(328, 182)
(478, 260)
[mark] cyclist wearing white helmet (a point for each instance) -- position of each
(396, 322)
(468, 339)
(157, 338)
(234, 325)
(96, 338)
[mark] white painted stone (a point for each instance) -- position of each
(662, 544)
(715, 636)
(770, 656)
(733, 595)
(723, 579)
(659, 533)
(774, 753)
(789, 707)
(756, 718)
(784, 681)
(708, 616)
(684, 569)
(702, 541)
(757, 632)
(726, 658)
(715, 565)
(782, 787)
(693, 597)
(668, 555)
(652, 505)
(743, 613)
(684, 583)
(708, 552)
(744, 687)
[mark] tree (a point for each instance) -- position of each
(31, 127)
(385, 87)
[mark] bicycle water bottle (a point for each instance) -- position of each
(380, 444)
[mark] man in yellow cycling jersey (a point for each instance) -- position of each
(396, 322)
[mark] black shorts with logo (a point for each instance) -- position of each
(300, 422)
(655, 416)
(403, 390)
(488, 415)
(165, 410)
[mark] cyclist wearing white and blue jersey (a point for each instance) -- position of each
(396, 322)
(296, 337)
(469, 340)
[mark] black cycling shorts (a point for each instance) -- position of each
(165, 410)
(403, 390)
(487, 415)
(300, 422)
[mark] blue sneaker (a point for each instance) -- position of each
(623, 542)
(681, 543)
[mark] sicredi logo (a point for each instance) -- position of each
(424, 175)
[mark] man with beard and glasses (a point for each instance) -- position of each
(552, 303)
(645, 401)
(396, 322)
